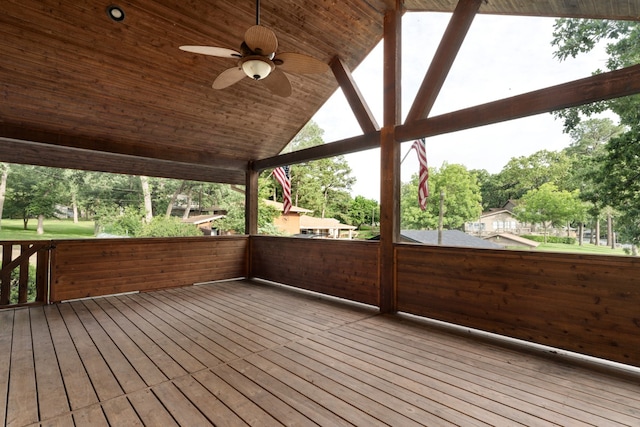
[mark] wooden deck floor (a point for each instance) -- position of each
(239, 353)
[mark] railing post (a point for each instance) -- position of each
(5, 277)
(42, 274)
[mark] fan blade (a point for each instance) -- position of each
(221, 52)
(261, 40)
(299, 63)
(228, 77)
(278, 83)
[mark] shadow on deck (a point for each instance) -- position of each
(246, 353)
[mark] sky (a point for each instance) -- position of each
(501, 57)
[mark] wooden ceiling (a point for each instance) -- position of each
(80, 90)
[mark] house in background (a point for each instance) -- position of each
(511, 241)
(287, 223)
(297, 222)
(496, 221)
(205, 223)
(325, 227)
(449, 238)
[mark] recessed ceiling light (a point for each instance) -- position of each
(116, 13)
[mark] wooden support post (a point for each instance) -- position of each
(390, 160)
(251, 211)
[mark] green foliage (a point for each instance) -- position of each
(32, 191)
(309, 136)
(127, 221)
(13, 229)
(525, 173)
(574, 36)
(461, 199)
(15, 283)
(552, 239)
(549, 206)
(161, 226)
(620, 176)
(322, 186)
(363, 211)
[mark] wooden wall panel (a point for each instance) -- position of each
(345, 269)
(83, 268)
(586, 304)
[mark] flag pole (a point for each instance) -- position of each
(407, 153)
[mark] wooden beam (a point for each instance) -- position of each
(34, 153)
(359, 106)
(390, 159)
(613, 84)
(391, 69)
(130, 148)
(443, 59)
(251, 202)
(345, 146)
(250, 215)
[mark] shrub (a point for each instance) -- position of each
(552, 239)
(161, 226)
(31, 285)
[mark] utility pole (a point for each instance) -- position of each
(441, 218)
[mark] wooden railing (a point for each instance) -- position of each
(583, 303)
(341, 268)
(94, 267)
(19, 285)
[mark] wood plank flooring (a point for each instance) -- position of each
(242, 353)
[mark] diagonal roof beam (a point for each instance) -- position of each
(354, 96)
(443, 59)
(614, 84)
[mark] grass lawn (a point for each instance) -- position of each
(584, 249)
(13, 229)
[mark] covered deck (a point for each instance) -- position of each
(83, 91)
(252, 353)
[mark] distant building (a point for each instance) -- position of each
(449, 238)
(290, 223)
(325, 227)
(496, 221)
(205, 223)
(508, 240)
(297, 222)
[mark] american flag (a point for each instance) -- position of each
(423, 186)
(283, 176)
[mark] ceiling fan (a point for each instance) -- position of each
(257, 59)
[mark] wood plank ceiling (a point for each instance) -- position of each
(121, 96)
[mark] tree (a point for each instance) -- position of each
(549, 206)
(146, 195)
(323, 182)
(620, 175)
(525, 173)
(616, 170)
(33, 191)
(490, 189)
(574, 36)
(462, 201)
(586, 154)
(363, 211)
(321, 185)
(4, 173)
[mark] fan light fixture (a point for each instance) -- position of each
(256, 68)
